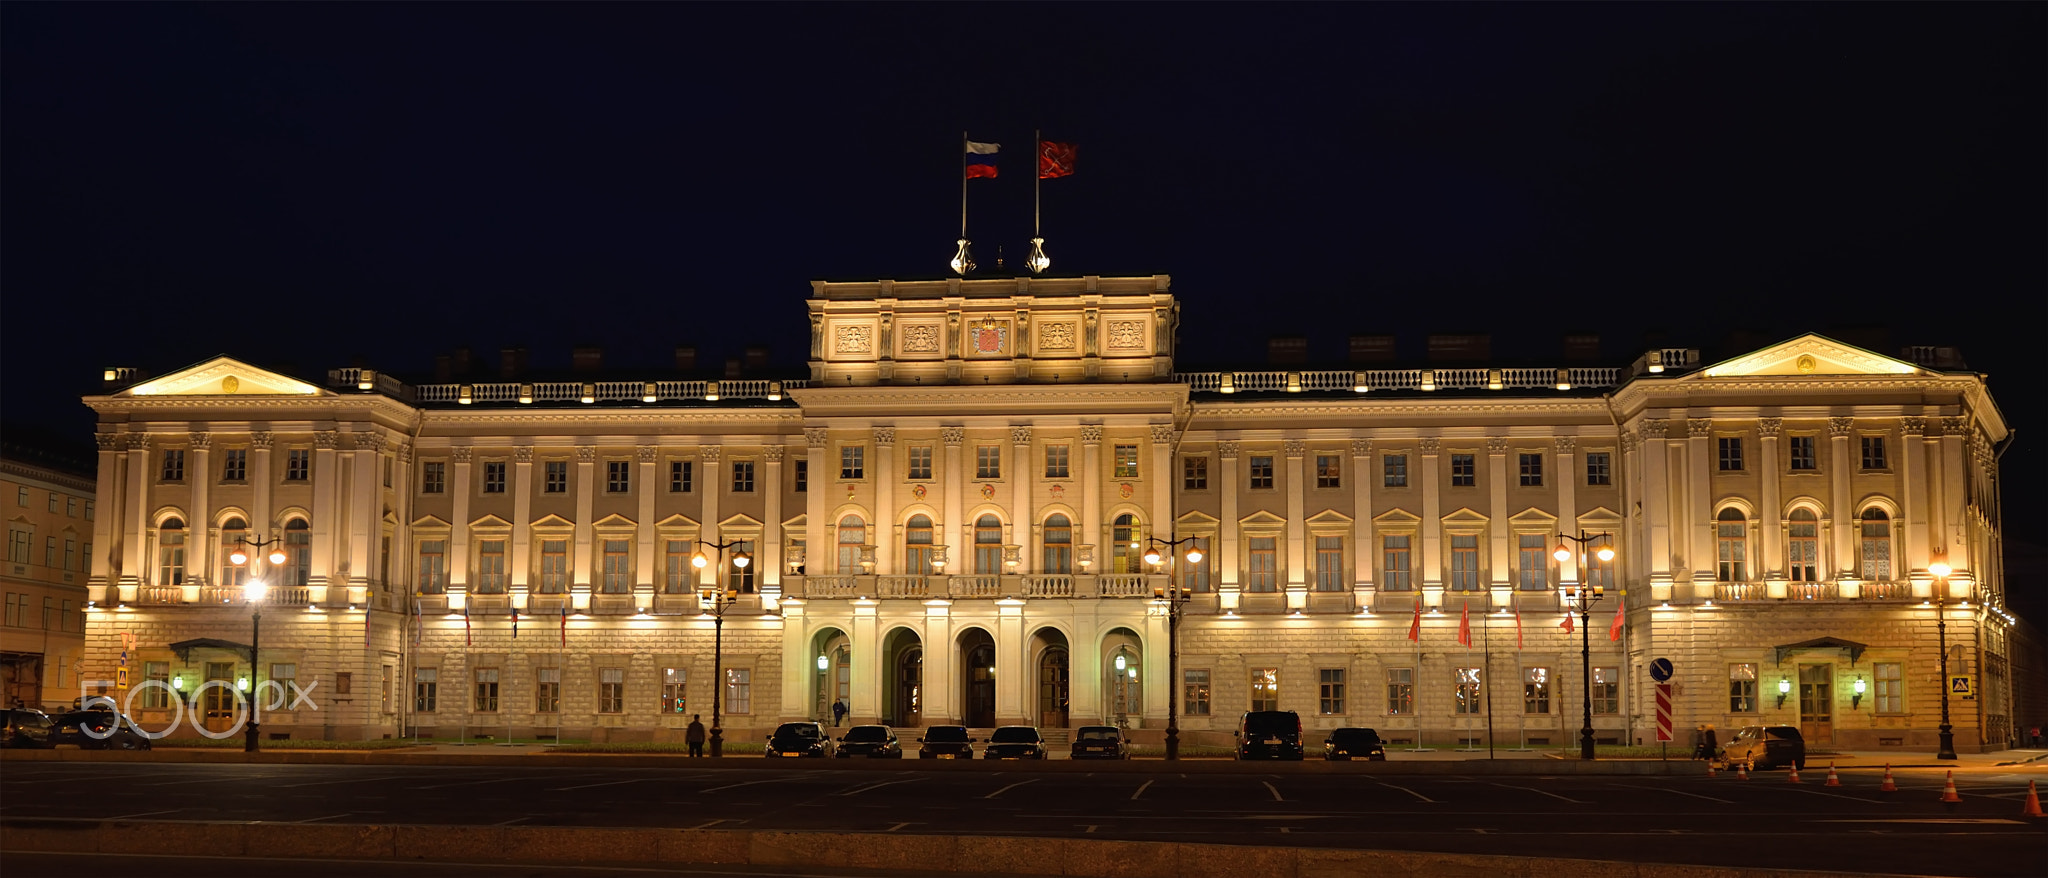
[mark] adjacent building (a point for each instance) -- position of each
(50, 511)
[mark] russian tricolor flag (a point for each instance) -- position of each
(981, 159)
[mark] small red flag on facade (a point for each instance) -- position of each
(1569, 626)
(467, 640)
(1465, 624)
(1614, 630)
(1518, 627)
(1415, 627)
(1055, 159)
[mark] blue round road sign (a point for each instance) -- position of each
(1660, 670)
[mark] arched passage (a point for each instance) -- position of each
(1050, 651)
(1123, 680)
(903, 693)
(831, 672)
(978, 678)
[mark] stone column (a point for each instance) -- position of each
(1432, 518)
(1161, 477)
(1563, 451)
(1656, 506)
(817, 550)
(1014, 673)
(769, 553)
(205, 537)
(1953, 523)
(888, 533)
(1771, 517)
(363, 508)
(1913, 500)
(1364, 550)
(1841, 470)
(521, 560)
(940, 682)
(581, 577)
(1020, 499)
(959, 531)
(1297, 526)
(261, 481)
(458, 537)
(646, 575)
(326, 509)
(864, 642)
(1091, 495)
(135, 554)
(1226, 539)
(714, 487)
(1699, 501)
(1501, 558)
(106, 491)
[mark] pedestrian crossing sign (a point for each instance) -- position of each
(1962, 685)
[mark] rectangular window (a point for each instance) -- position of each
(1532, 469)
(234, 465)
(433, 566)
(1400, 691)
(920, 462)
(1800, 456)
(1394, 470)
(739, 690)
(554, 477)
(1535, 566)
(70, 554)
(852, 463)
(682, 476)
(1599, 468)
(743, 477)
(1731, 453)
(1599, 573)
(425, 689)
(384, 687)
(1330, 565)
(1464, 471)
(554, 566)
(298, 464)
(675, 566)
(156, 697)
(1265, 688)
(1330, 694)
(547, 690)
(1260, 468)
(71, 507)
(1731, 542)
(18, 542)
(1891, 688)
(433, 477)
(53, 502)
(741, 579)
(1394, 568)
(1607, 690)
(1260, 575)
(674, 695)
(494, 477)
(490, 566)
(1802, 547)
(1329, 471)
(988, 462)
(618, 476)
(1056, 462)
(618, 574)
(1194, 473)
(802, 477)
(387, 470)
(174, 465)
(1464, 562)
(1470, 698)
(1198, 575)
(1742, 688)
(170, 558)
(88, 510)
(611, 690)
(21, 496)
(1535, 690)
(486, 690)
(1195, 693)
(1873, 452)
(1126, 461)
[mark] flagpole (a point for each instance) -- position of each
(1486, 637)
(1037, 148)
(963, 184)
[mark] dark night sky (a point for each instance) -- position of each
(304, 183)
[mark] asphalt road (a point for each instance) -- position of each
(1761, 822)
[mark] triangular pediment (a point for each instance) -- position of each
(1810, 354)
(224, 376)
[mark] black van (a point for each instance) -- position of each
(1269, 734)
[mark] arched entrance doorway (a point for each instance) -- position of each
(903, 694)
(831, 673)
(978, 678)
(1123, 678)
(1051, 648)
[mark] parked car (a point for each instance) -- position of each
(1767, 747)
(874, 742)
(1101, 742)
(99, 730)
(1354, 743)
(946, 742)
(26, 727)
(1014, 742)
(1269, 734)
(799, 739)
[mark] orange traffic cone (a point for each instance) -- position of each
(1742, 771)
(2033, 808)
(1948, 793)
(1710, 769)
(1888, 786)
(1833, 781)
(1793, 776)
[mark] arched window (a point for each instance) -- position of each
(917, 546)
(1874, 545)
(232, 532)
(853, 534)
(1128, 553)
(1731, 535)
(1802, 547)
(1059, 544)
(298, 552)
(170, 552)
(988, 544)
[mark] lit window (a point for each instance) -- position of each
(1731, 537)
(1394, 470)
(1532, 469)
(1464, 471)
(920, 462)
(1731, 453)
(1329, 471)
(1400, 691)
(1056, 462)
(1599, 468)
(1194, 473)
(1873, 452)
(1260, 470)
(1126, 462)
(1535, 690)
(681, 476)
(1800, 454)
(618, 476)
(852, 462)
(1330, 691)
(554, 477)
(1469, 696)
(988, 462)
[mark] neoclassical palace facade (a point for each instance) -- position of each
(946, 522)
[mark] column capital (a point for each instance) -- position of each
(1768, 427)
(1654, 428)
(711, 454)
(1294, 447)
(1496, 445)
(523, 454)
(1431, 445)
(1629, 442)
(461, 453)
(1955, 425)
(1361, 447)
(111, 441)
(885, 436)
(328, 439)
(772, 453)
(200, 441)
(1091, 434)
(1163, 433)
(1841, 426)
(1913, 426)
(261, 439)
(1227, 449)
(1699, 428)
(369, 440)
(953, 436)
(817, 437)
(138, 441)
(586, 453)
(1020, 435)
(1565, 444)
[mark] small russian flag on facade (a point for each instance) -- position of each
(981, 159)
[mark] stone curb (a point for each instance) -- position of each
(1519, 767)
(998, 855)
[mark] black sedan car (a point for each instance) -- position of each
(874, 742)
(799, 739)
(26, 728)
(99, 730)
(1101, 742)
(946, 742)
(1014, 742)
(1354, 743)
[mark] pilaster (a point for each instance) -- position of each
(1771, 514)
(888, 531)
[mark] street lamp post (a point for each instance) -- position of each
(1587, 595)
(252, 591)
(716, 598)
(1176, 595)
(1941, 570)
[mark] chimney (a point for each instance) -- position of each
(1372, 348)
(1287, 350)
(757, 358)
(1582, 348)
(587, 359)
(733, 367)
(459, 361)
(686, 359)
(443, 372)
(1468, 348)
(511, 363)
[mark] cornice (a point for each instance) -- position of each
(61, 479)
(435, 418)
(989, 395)
(1368, 407)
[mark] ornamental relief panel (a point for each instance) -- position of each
(1125, 335)
(853, 340)
(1056, 336)
(921, 338)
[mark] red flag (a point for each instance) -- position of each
(1055, 159)
(1465, 624)
(1518, 627)
(1568, 625)
(466, 639)
(1415, 627)
(1614, 630)
(565, 627)
(515, 624)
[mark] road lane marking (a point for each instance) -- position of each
(1274, 790)
(174, 783)
(1140, 792)
(1835, 796)
(1679, 792)
(328, 817)
(1091, 827)
(710, 823)
(514, 820)
(742, 784)
(470, 783)
(322, 783)
(612, 783)
(1542, 792)
(876, 786)
(143, 814)
(1408, 791)
(1009, 788)
(900, 826)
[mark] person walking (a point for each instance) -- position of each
(1710, 743)
(694, 735)
(1699, 741)
(838, 712)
